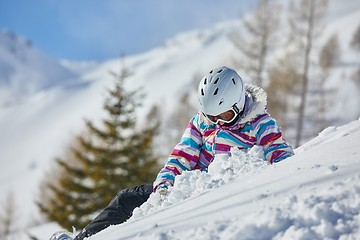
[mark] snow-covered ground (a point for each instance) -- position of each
(312, 195)
(38, 118)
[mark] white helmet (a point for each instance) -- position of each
(221, 90)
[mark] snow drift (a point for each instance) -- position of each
(312, 195)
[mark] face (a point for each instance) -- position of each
(223, 118)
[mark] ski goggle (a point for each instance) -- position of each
(225, 117)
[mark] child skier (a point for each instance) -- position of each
(231, 115)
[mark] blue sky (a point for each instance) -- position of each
(103, 29)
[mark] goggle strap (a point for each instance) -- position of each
(236, 109)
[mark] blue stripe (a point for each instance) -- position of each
(189, 142)
(274, 148)
(263, 128)
(279, 159)
(233, 139)
(204, 126)
(207, 146)
(166, 176)
(195, 118)
(247, 128)
(177, 163)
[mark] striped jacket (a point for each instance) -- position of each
(202, 140)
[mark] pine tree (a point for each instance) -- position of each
(103, 161)
(8, 216)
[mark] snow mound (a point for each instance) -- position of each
(222, 170)
(312, 195)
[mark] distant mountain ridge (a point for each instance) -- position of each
(25, 70)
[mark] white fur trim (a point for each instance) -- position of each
(258, 106)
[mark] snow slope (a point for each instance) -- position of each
(38, 127)
(312, 195)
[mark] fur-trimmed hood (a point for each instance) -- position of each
(256, 101)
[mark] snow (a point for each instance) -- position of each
(47, 229)
(39, 118)
(312, 195)
(24, 70)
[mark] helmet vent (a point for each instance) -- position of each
(216, 81)
(205, 81)
(211, 71)
(219, 71)
(221, 101)
(216, 91)
(202, 92)
(233, 80)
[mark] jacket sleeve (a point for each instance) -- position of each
(269, 136)
(184, 157)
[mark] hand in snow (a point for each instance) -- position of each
(163, 191)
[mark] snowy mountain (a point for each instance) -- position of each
(24, 70)
(43, 103)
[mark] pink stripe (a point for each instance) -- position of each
(247, 137)
(259, 119)
(173, 169)
(275, 155)
(188, 157)
(223, 147)
(269, 138)
(208, 132)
